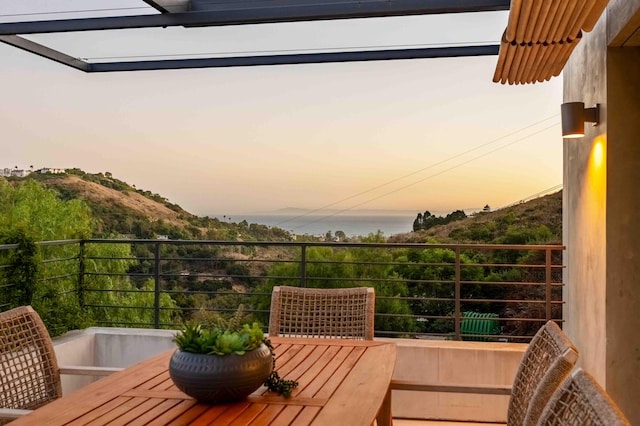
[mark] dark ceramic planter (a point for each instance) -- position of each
(220, 378)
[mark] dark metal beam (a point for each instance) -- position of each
(45, 52)
(307, 58)
(238, 13)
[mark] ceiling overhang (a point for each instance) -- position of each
(209, 13)
(540, 36)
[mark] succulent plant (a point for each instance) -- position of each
(231, 337)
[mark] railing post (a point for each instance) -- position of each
(81, 270)
(156, 279)
(303, 266)
(458, 294)
(548, 282)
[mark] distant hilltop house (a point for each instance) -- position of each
(16, 172)
(7, 172)
(486, 209)
(52, 170)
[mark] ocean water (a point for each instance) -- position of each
(351, 225)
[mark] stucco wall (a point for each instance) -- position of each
(584, 206)
(602, 208)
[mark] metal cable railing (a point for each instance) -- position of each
(422, 290)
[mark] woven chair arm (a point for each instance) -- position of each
(12, 413)
(78, 370)
(409, 385)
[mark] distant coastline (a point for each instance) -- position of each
(351, 225)
(295, 211)
(360, 222)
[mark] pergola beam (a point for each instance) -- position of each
(306, 58)
(45, 52)
(258, 12)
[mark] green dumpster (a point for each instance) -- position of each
(479, 325)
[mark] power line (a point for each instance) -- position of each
(536, 195)
(429, 177)
(417, 171)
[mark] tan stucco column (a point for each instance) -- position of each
(601, 208)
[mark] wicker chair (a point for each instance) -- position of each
(29, 372)
(312, 312)
(546, 362)
(581, 401)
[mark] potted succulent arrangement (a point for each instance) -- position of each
(225, 362)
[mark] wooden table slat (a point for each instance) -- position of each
(213, 412)
(340, 372)
(113, 414)
(267, 415)
(231, 413)
(318, 375)
(309, 414)
(287, 415)
(314, 357)
(370, 380)
(156, 381)
(249, 415)
(100, 411)
(150, 393)
(279, 400)
(145, 412)
(180, 415)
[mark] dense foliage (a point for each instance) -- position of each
(427, 220)
(29, 213)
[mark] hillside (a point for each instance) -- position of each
(536, 221)
(121, 208)
(98, 195)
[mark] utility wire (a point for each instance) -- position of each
(428, 177)
(536, 195)
(417, 171)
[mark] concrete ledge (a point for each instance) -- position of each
(453, 362)
(107, 347)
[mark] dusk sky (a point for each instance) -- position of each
(373, 135)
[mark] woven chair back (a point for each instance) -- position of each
(581, 401)
(29, 375)
(312, 312)
(546, 362)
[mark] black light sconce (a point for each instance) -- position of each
(574, 115)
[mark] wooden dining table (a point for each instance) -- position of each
(341, 382)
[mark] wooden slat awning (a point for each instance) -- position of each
(540, 36)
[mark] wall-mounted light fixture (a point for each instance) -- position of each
(574, 115)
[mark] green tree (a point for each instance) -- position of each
(29, 212)
(340, 267)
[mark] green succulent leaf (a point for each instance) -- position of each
(223, 338)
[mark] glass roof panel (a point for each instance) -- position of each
(462, 29)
